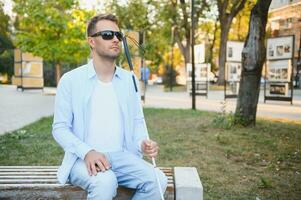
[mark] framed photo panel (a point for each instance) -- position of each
(199, 53)
(233, 70)
(279, 70)
(201, 71)
(280, 48)
(234, 50)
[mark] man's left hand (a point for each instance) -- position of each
(150, 148)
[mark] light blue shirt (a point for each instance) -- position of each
(72, 114)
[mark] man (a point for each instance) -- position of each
(99, 122)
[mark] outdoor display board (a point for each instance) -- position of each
(279, 69)
(202, 71)
(233, 71)
(233, 68)
(234, 50)
(28, 71)
(199, 53)
(280, 48)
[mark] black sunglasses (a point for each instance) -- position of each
(108, 35)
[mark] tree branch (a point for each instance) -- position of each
(238, 8)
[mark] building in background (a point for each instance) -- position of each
(285, 19)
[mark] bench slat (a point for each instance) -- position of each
(29, 176)
(16, 181)
(27, 173)
(29, 167)
(28, 170)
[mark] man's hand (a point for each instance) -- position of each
(150, 148)
(95, 162)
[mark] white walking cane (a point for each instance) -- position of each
(128, 57)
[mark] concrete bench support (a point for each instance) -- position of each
(188, 184)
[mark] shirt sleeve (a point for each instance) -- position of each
(62, 121)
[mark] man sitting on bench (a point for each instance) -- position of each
(99, 122)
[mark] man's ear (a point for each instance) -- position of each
(91, 42)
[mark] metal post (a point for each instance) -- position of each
(143, 67)
(192, 54)
(171, 63)
(21, 61)
(297, 79)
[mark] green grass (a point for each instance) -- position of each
(233, 163)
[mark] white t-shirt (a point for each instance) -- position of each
(105, 129)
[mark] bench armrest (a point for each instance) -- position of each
(187, 184)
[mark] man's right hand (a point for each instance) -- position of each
(95, 162)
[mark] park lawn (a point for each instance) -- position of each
(233, 162)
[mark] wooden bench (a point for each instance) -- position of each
(40, 182)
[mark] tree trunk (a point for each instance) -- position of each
(227, 10)
(58, 72)
(185, 49)
(225, 27)
(253, 57)
(210, 57)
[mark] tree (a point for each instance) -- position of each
(53, 30)
(181, 23)
(227, 10)
(6, 55)
(253, 57)
(240, 23)
(5, 41)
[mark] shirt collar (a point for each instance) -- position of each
(92, 73)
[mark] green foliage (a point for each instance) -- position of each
(5, 41)
(7, 63)
(4, 30)
(140, 16)
(6, 54)
(240, 24)
(223, 119)
(53, 29)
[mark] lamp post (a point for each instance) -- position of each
(192, 55)
(143, 67)
(172, 57)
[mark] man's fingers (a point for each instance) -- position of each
(106, 163)
(152, 150)
(100, 165)
(93, 168)
(97, 168)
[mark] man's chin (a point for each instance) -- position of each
(112, 56)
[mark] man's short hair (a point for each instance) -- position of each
(93, 21)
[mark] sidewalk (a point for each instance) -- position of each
(18, 109)
(155, 97)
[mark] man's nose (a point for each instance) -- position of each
(115, 39)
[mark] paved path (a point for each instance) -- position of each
(18, 109)
(155, 97)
